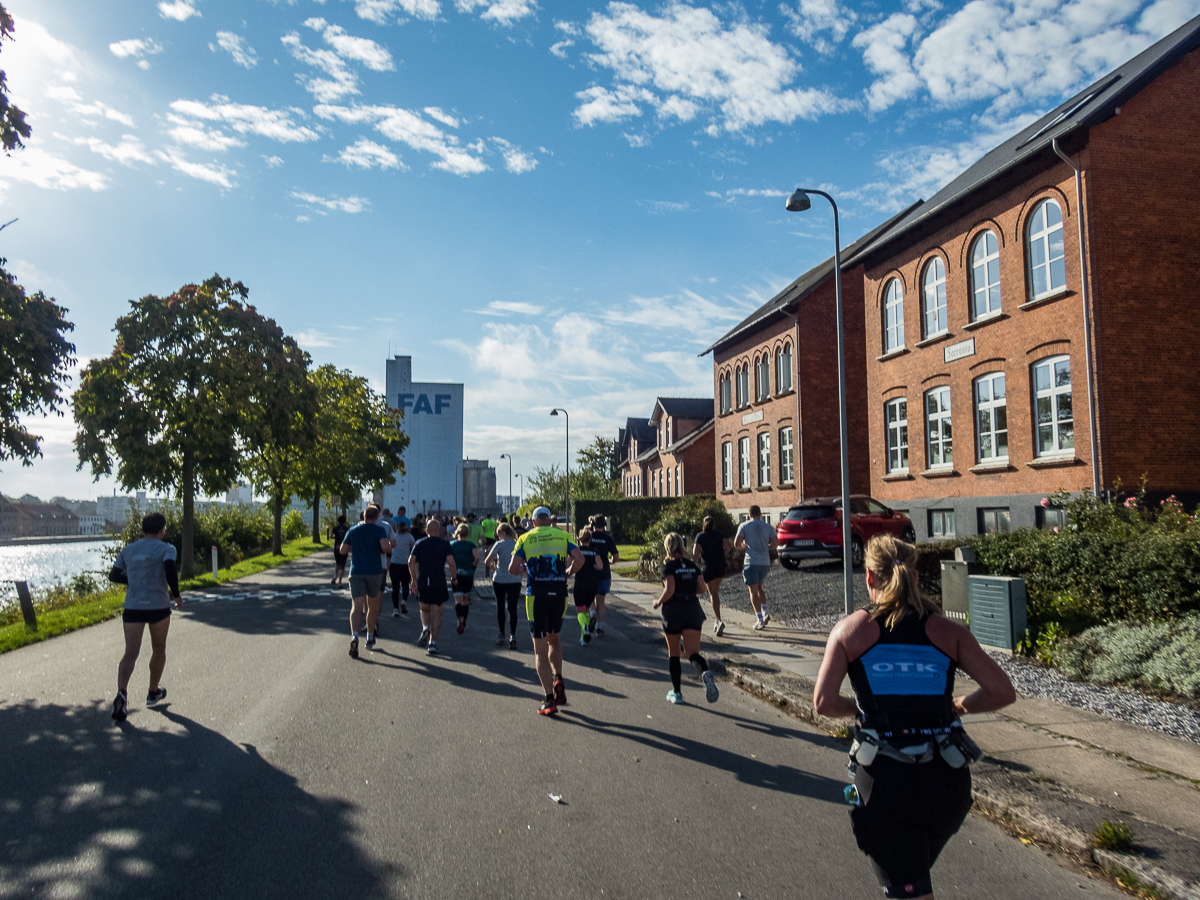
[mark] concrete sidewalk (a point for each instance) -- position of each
(1051, 773)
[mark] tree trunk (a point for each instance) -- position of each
(317, 516)
(277, 530)
(187, 563)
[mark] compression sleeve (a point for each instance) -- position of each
(172, 576)
(118, 576)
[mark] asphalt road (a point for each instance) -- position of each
(281, 768)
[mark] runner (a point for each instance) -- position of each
(586, 581)
(401, 518)
(488, 526)
(547, 556)
(398, 568)
(711, 546)
(366, 543)
(475, 530)
(606, 551)
(427, 568)
(147, 568)
(758, 539)
(507, 587)
(418, 527)
(338, 533)
(466, 560)
(385, 522)
(683, 617)
(910, 754)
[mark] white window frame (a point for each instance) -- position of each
(933, 298)
(991, 406)
(726, 394)
(942, 519)
(783, 369)
(764, 458)
(893, 316)
(939, 434)
(727, 466)
(895, 417)
(1040, 240)
(985, 288)
(999, 515)
(787, 459)
(670, 482)
(1049, 401)
(744, 471)
(743, 385)
(762, 377)
(679, 479)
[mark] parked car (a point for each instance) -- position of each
(813, 528)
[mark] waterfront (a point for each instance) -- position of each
(45, 565)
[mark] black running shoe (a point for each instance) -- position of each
(512, 643)
(424, 638)
(155, 697)
(560, 692)
(354, 648)
(371, 641)
(120, 707)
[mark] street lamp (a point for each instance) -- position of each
(509, 458)
(555, 412)
(520, 491)
(798, 202)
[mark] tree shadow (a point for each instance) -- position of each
(96, 811)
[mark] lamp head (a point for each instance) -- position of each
(798, 202)
(554, 412)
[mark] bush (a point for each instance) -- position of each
(630, 517)
(686, 517)
(1162, 656)
(294, 525)
(236, 531)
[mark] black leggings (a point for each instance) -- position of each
(401, 578)
(507, 596)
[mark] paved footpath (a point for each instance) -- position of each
(281, 768)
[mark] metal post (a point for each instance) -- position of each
(214, 563)
(567, 512)
(27, 605)
(502, 456)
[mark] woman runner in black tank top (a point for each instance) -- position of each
(682, 618)
(901, 655)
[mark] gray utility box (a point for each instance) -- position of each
(997, 608)
(955, 598)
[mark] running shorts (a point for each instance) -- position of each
(339, 559)
(148, 616)
(463, 584)
(715, 571)
(545, 611)
(755, 574)
(604, 587)
(366, 585)
(584, 594)
(682, 614)
(433, 596)
(909, 812)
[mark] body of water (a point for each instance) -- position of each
(45, 565)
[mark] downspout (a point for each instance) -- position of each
(797, 441)
(1085, 292)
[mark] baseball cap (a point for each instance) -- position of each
(541, 511)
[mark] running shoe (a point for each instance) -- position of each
(583, 639)
(157, 696)
(675, 697)
(333, 581)
(599, 629)
(354, 648)
(766, 618)
(396, 614)
(560, 692)
(377, 631)
(710, 687)
(462, 625)
(120, 707)
(719, 628)
(548, 708)
(501, 639)
(424, 638)
(759, 624)
(432, 651)
(371, 641)
(403, 608)
(512, 643)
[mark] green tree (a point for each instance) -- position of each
(34, 358)
(13, 126)
(168, 406)
(546, 487)
(357, 444)
(599, 459)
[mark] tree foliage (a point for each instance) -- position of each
(34, 358)
(13, 126)
(599, 459)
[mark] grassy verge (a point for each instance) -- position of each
(104, 605)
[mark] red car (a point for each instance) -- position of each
(814, 528)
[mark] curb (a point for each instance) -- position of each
(1006, 810)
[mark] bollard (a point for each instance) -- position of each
(27, 605)
(214, 557)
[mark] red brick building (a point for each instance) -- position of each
(775, 377)
(986, 390)
(670, 454)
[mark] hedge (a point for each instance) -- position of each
(628, 518)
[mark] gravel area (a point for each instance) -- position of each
(815, 589)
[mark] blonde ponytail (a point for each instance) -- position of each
(894, 564)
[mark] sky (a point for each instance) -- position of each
(556, 204)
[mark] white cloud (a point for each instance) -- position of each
(559, 49)
(129, 151)
(884, 48)
(502, 12)
(687, 311)
(821, 23)
(314, 338)
(194, 134)
(37, 167)
(235, 45)
(334, 204)
(636, 140)
(692, 61)
(516, 160)
(135, 48)
(347, 46)
(213, 173)
(731, 195)
(568, 28)
(179, 10)
(1163, 16)
(407, 127)
(273, 162)
(508, 307)
(440, 115)
(275, 124)
(341, 81)
(658, 207)
(69, 97)
(367, 154)
(381, 11)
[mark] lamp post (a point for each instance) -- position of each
(520, 491)
(509, 458)
(555, 412)
(798, 202)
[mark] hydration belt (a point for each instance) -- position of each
(953, 744)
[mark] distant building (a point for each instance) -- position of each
(119, 509)
(242, 493)
(671, 453)
(507, 503)
(45, 520)
(8, 518)
(479, 486)
(92, 524)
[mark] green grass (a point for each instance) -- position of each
(106, 604)
(629, 552)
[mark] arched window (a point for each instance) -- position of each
(985, 276)
(893, 316)
(743, 385)
(783, 369)
(1047, 262)
(933, 298)
(762, 377)
(726, 394)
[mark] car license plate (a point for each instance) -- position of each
(807, 543)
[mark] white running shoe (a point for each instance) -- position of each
(759, 624)
(674, 696)
(766, 618)
(710, 687)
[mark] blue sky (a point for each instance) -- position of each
(556, 204)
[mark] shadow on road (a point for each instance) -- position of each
(95, 811)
